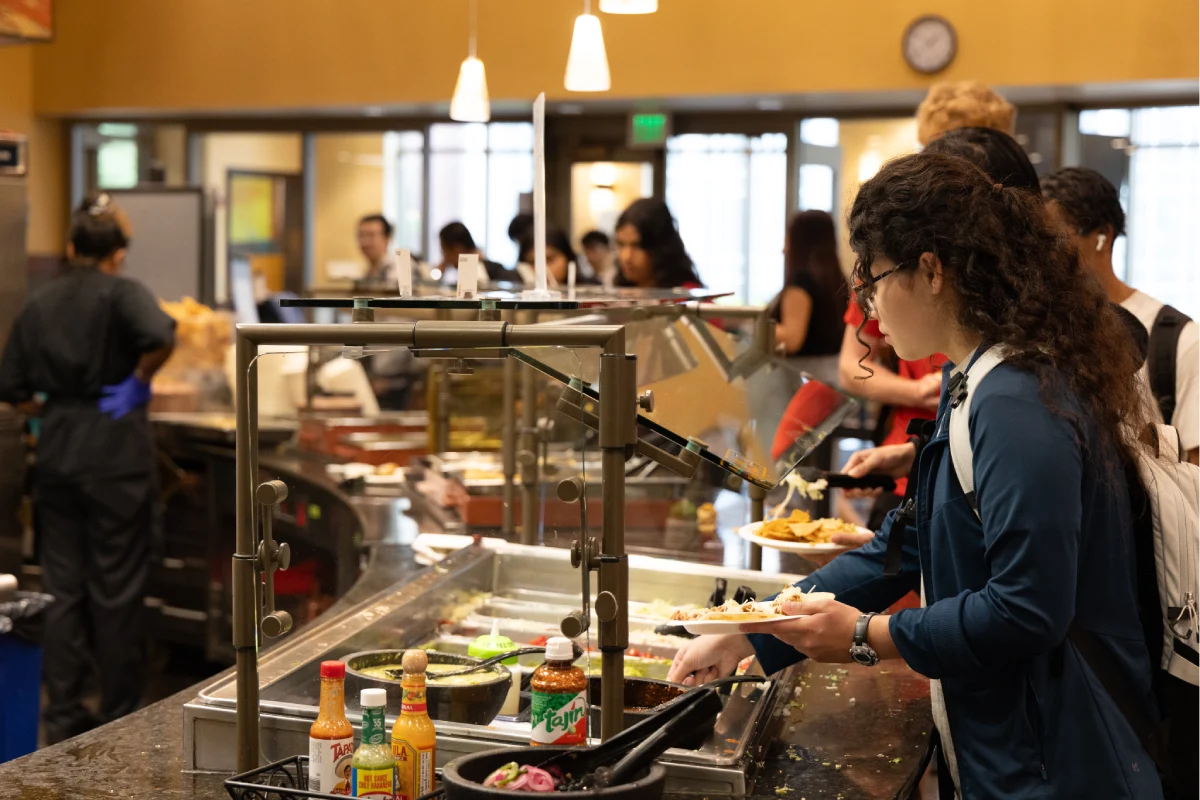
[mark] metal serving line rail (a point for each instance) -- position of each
(254, 564)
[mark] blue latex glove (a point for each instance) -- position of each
(121, 398)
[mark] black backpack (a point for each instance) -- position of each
(1161, 357)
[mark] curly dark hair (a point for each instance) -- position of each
(660, 239)
(994, 152)
(1018, 282)
(1087, 198)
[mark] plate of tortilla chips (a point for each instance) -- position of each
(799, 533)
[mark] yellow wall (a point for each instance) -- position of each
(348, 184)
(233, 54)
(867, 144)
(47, 203)
(280, 152)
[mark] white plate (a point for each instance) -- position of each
(750, 534)
(703, 626)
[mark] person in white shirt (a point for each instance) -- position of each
(374, 236)
(1089, 207)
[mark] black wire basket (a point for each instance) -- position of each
(281, 780)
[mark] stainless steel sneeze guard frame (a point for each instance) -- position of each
(617, 435)
(538, 580)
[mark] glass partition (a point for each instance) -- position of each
(759, 416)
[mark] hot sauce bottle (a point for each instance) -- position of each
(559, 714)
(331, 737)
(414, 740)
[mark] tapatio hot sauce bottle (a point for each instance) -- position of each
(331, 737)
(559, 714)
(414, 740)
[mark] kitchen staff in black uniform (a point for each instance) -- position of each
(89, 342)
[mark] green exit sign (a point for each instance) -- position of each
(649, 130)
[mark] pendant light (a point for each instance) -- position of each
(629, 6)
(470, 102)
(587, 64)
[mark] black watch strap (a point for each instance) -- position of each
(860, 628)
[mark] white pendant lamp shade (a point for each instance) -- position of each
(629, 6)
(470, 102)
(587, 65)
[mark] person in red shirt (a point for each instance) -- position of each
(912, 390)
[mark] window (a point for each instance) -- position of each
(1153, 155)
(404, 187)
(728, 193)
(117, 164)
(477, 173)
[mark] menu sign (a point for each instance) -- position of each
(28, 20)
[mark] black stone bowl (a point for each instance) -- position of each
(475, 705)
(463, 777)
(642, 696)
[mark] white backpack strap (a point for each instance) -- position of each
(960, 414)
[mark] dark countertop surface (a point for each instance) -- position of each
(856, 740)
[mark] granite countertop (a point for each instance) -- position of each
(853, 733)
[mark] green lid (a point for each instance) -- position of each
(492, 644)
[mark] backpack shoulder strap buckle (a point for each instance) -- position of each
(957, 388)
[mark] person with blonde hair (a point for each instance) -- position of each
(962, 104)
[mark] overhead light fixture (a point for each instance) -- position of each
(629, 6)
(587, 64)
(470, 102)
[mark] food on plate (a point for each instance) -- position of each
(519, 778)
(800, 527)
(749, 611)
(813, 490)
(387, 469)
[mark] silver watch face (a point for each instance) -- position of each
(863, 654)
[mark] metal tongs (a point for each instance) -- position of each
(623, 756)
(617, 760)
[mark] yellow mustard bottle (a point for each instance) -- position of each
(414, 740)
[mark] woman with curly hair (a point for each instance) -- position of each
(950, 262)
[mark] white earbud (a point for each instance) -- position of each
(1100, 240)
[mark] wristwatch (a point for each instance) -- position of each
(860, 651)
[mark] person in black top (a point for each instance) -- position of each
(597, 250)
(808, 311)
(88, 343)
(559, 255)
(456, 241)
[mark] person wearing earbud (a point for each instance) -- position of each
(89, 342)
(1088, 207)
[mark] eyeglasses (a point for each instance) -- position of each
(867, 287)
(874, 279)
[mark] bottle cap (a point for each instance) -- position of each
(333, 669)
(493, 644)
(559, 649)
(373, 698)
(414, 662)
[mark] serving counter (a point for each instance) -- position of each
(835, 732)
